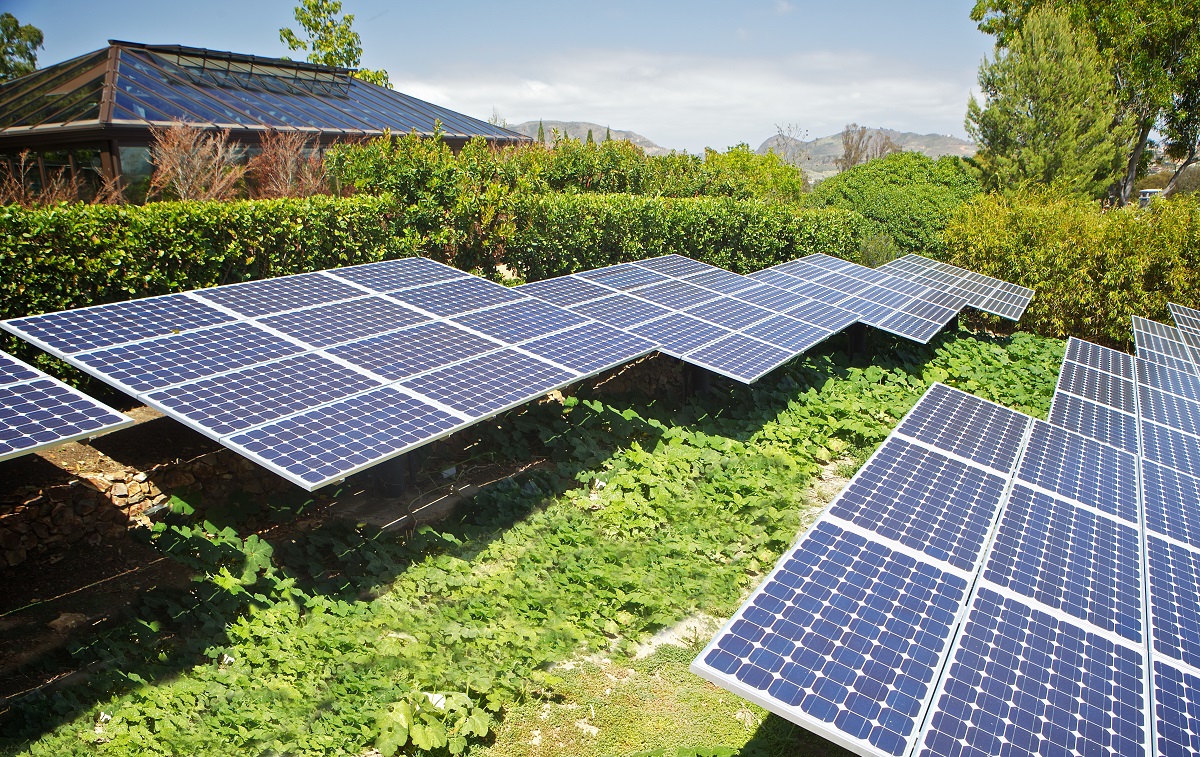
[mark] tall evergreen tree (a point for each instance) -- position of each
(541, 133)
(607, 134)
(590, 140)
(1049, 110)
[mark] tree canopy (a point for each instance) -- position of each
(18, 47)
(330, 40)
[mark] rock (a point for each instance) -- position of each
(40, 498)
(86, 506)
(99, 483)
(178, 478)
(141, 477)
(115, 476)
(9, 539)
(14, 556)
(60, 514)
(66, 621)
(118, 490)
(135, 498)
(41, 530)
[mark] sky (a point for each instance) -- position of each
(686, 75)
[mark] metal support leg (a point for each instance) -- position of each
(856, 340)
(696, 380)
(392, 476)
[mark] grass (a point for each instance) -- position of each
(646, 513)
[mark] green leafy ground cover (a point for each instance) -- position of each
(340, 641)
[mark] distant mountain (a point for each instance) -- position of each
(820, 153)
(579, 129)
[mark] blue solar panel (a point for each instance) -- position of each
(490, 383)
(1148, 326)
(1024, 682)
(676, 265)
(819, 291)
(1096, 386)
(909, 326)
(676, 294)
(740, 357)
(590, 348)
(1095, 421)
(947, 300)
(1183, 365)
(414, 350)
(925, 501)
(458, 296)
(181, 357)
(845, 636)
(884, 296)
(254, 298)
(729, 313)
(829, 317)
(518, 321)
(623, 276)
(1185, 318)
(1100, 358)
(1169, 409)
(1176, 711)
(720, 280)
(775, 278)
(1168, 379)
(1154, 342)
(678, 334)
(564, 290)
(930, 312)
(621, 311)
(40, 412)
(344, 321)
(223, 404)
(331, 442)
(772, 298)
(394, 275)
(74, 331)
(788, 333)
(967, 426)
(1174, 573)
(1172, 502)
(1071, 559)
(871, 313)
(1170, 447)
(13, 370)
(1081, 469)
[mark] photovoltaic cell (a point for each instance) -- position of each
(181, 357)
(678, 334)
(1176, 711)
(775, 278)
(868, 312)
(394, 275)
(621, 311)
(930, 311)
(564, 290)
(944, 299)
(925, 501)
(13, 370)
(1170, 447)
(1179, 364)
(344, 321)
(740, 357)
(967, 426)
(521, 320)
(74, 331)
(1095, 421)
(1160, 330)
(1174, 573)
(1168, 379)
(828, 317)
(772, 298)
(910, 327)
(331, 442)
(458, 296)
(728, 312)
(490, 383)
(1169, 409)
(844, 637)
(788, 333)
(1096, 386)
(1081, 469)
(1185, 318)
(1024, 682)
(231, 402)
(1155, 343)
(41, 412)
(590, 347)
(720, 280)
(414, 350)
(624, 276)
(676, 295)
(1070, 559)
(1172, 502)
(676, 265)
(255, 298)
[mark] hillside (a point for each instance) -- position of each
(579, 130)
(821, 152)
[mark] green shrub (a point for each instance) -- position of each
(906, 195)
(1092, 269)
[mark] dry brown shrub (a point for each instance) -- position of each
(288, 166)
(191, 163)
(17, 182)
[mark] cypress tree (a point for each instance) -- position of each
(541, 133)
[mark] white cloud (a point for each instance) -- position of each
(783, 6)
(690, 102)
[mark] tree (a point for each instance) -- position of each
(541, 133)
(1153, 53)
(590, 139)
(860, 144)
(607, 134)
(18, 47)
(329, 40)
(1049, 110)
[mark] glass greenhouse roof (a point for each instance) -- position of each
(129, 84)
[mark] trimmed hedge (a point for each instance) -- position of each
(1092, 269)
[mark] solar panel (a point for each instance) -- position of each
(720, 280)
(926, 501)
(1095, 421)
(740, 357)
(1155, 343)
(394, 275)
(1100, 358)
(621, 311)
(930, 312)
(457, 296)
(414, 350)
(326, 325)
(1081, 469)
(1169, 409)
(37, 411)
(1172, 502)
(676, 295)
(788, 333)
(728, 312)
(967, 426)
(982, 292)
(910, 327)
(1177, 702)
(1185, 318)
(1172, 448)
(676, 266)
(1071, 559)
(624, 276)
(1182, 365)
(775, 277)
(678, 334)
(589, 348)
(255, 298)
(519, 321)
(772, 298)
(564, 291)
(1154, 328)
(1096, 386)
(1023, 681)
(828, 317)
(490, 383)
(1174, 579)
(845, 637)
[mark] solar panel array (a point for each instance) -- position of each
(37, 411)
(319, 375)
(1052, 599)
